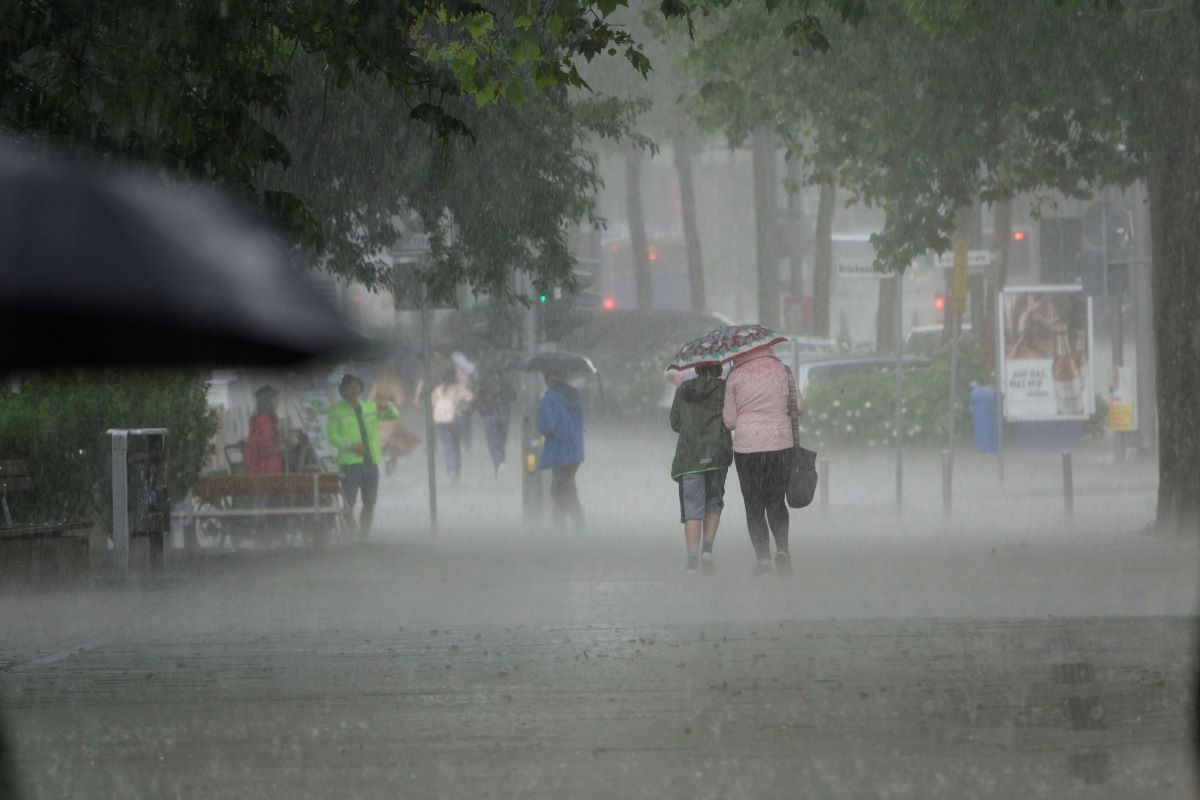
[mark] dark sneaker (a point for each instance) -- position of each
(707, 565)
(762, 569)
(783, 564)
(692, 568)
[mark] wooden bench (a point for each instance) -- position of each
(230, 502)
(22, 559)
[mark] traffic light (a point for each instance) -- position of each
(609, 303)
(543, 297)
(939, 302)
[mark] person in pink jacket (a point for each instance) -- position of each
(756, 410)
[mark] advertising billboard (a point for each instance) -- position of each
(1046, 342)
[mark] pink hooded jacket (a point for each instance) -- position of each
(756, 399)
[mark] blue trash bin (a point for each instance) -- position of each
(983, 418)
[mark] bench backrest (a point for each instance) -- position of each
(293, 484)
(14, 479)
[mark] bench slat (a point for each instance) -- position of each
(11, 484)
(217, 513)
(12, 468)
(44, 531)
(296, 484)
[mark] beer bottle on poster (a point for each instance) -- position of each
(1068, 389)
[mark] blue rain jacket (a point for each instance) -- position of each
(560, 421)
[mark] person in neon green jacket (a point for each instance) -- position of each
(354, 431)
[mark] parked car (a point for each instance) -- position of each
(925, 340)
(810, 372)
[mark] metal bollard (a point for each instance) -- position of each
(947, 478)
(823, 482)
(1068, 485)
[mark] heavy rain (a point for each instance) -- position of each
(581, 399)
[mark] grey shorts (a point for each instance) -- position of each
(701, 493)
(360, 477)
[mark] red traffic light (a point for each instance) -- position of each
(609, 303)
(939, 302)
(1018, 236)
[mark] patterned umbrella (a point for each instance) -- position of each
(722, 344)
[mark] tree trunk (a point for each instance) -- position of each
(766, 225)
(797, 240)
(691, 231)
(1000, 243)
(639, 245)
(1174, 188)
(885, 317)
(823, 263)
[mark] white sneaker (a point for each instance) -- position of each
(707, 565)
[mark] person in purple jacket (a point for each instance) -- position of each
(560, 422)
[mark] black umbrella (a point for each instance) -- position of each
(559, 362)
(103, 266)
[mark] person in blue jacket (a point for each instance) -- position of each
(560, 422)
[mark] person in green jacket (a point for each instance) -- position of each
(703, 455)
(354, 431)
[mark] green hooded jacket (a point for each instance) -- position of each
(343, 429)
(704, 441)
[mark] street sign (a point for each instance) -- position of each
(977, 260)
(856, 268)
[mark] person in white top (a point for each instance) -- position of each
(450, 401)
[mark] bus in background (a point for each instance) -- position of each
(666, 257)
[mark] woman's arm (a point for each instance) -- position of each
(729, 410)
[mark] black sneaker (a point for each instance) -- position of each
(783, 564)
(707, 565)
(763, 568)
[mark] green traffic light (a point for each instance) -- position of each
(541, 298)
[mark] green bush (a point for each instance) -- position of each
(58, 424)
(647, 384)
(859, 410)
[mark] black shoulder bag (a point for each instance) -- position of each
(802, 480)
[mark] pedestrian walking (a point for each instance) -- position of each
(560, 422)
(756, 410)
(494, 401)
(354, 430)
(703, 454)
(465, 375)
(450, 400)
(264, 451)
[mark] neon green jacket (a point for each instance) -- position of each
(343, 429)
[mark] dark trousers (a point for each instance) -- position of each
(764, 478)
(565, 495)
(495, 428)
(451, 435)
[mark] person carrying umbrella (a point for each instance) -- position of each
(756, 410)
(560, 422)
(354, 431)
(703, 455)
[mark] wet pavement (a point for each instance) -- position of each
(973, 660)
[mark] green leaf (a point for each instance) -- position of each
(523, 22)
(555, 24)
(526, 49)
(478, 25)
(486, 94)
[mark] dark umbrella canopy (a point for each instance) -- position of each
(117, 267)
(566, 363)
